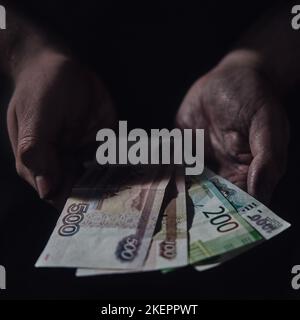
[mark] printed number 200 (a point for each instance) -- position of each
(222, 220)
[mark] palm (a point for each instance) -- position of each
(241, 120)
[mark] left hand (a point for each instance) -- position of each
(246, 130)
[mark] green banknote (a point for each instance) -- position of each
(225, 218)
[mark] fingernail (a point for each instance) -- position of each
(42, 186)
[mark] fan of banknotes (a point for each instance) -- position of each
(134, 219)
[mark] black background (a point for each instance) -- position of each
(148, 56)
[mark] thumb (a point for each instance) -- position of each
(268, 142)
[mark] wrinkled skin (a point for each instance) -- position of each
(58, 106)
(53, 116)
(246, 130)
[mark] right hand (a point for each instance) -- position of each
(53, 116)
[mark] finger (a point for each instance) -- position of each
(191, 115)
(12, 128)
(37, 163)
(35, 151)
(268, 142)
(236, 147)
(235, 173)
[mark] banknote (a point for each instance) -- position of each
(135, 219)
(225, 218)
(169, 247)
(109, 220)
(219, 260)
(266, 222)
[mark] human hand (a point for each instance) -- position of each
(53, 116)
(246, 130)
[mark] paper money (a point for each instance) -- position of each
(219, 260)
(135, 219)
(169, 248)
(226, 218)
(109, 222)
(266, 222)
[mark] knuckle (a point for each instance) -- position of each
(26, 147)
(189, 115)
